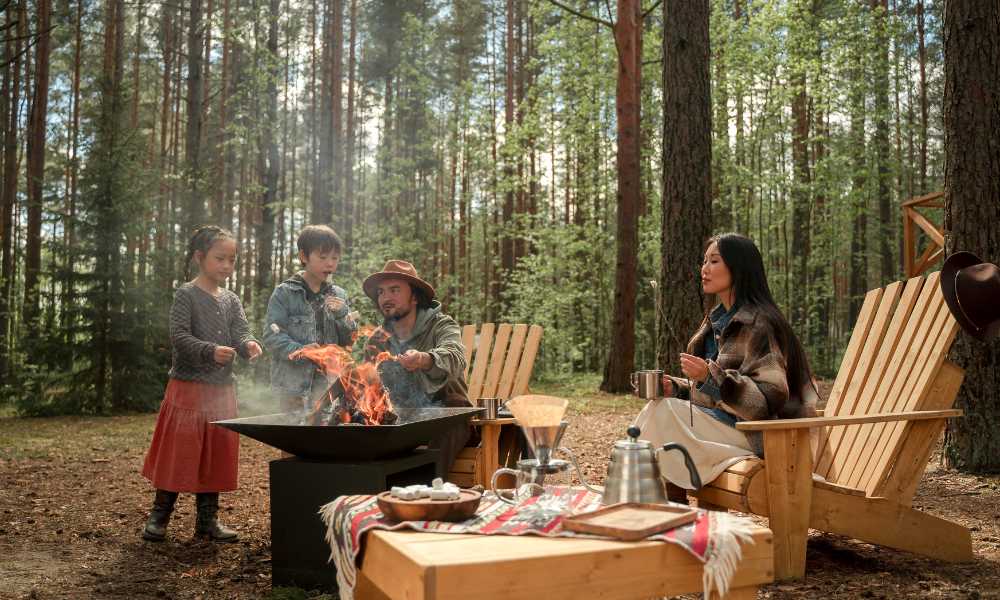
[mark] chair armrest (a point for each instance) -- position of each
(916, 415)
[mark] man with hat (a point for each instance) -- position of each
(427, 342)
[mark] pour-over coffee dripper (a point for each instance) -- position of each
(540, 419)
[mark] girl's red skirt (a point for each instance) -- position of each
(188, 454)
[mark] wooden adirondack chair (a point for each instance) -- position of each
(887, 409)
(499, 365)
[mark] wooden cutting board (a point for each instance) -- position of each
(630, 521)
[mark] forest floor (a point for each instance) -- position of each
(72, 504)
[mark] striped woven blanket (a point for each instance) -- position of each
(714, 538)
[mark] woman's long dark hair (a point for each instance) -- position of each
(749, 282)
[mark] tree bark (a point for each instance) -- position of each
(687, 184)
(628, 95)
(507, 250)
(972, 212)
(163, 218)
(351, 136)
(269, 176)
(800, 37)
(35, 158)
(922, 61)
(195, 205)
(337, 122)
(887, 225)
(11, 101)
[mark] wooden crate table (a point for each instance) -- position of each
(412, 565)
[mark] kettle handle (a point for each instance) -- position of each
(692, 471)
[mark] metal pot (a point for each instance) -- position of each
(634, 473)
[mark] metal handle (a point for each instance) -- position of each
(493, 483)
(579, 473)
(692, 471)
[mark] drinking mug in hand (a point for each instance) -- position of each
(648, 385)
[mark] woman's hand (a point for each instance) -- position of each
(694, 367)
(224, 355)
(253, 351)
(668, 387)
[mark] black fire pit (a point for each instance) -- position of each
(414, 427)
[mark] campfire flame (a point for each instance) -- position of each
(360, 388)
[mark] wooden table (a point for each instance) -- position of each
(411, 565)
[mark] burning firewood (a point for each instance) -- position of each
(356, 394)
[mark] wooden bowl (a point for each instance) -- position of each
(426, 509)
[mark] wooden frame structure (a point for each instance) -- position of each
(499, 363)
(886, 411)
(914, 220)
(416, 565)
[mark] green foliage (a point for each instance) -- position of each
(436, 160)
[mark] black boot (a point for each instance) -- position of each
(156, 525)
(207, 523)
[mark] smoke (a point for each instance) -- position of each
(256, 398)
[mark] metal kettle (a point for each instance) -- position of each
(634, 473)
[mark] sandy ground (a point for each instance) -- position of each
(72, 504)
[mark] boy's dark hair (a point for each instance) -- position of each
(319, 237)
(202, 240)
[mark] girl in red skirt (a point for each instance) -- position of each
(208, 328)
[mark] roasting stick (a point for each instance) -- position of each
(676, 338)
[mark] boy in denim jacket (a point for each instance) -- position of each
(306, 310)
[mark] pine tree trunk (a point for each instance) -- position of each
(269, 174)
(322, 204)
(507, 250)
(922, 61)
(801, 201)
(69, 298)
(8, 192)
(351, 136)
(887, 225)
(337, 123)
(163, 218)
(36, 170)
(219, 197)
(859, 201)
(628, 40)
(972, 213)
(195, 205)
(687, 185)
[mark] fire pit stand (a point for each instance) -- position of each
(331, 461)
(299, 487)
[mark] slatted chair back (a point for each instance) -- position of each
(500, 359)
(892, 364)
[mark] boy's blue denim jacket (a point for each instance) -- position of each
(291, 324)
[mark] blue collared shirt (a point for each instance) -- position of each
(719, 318)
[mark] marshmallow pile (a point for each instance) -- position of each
(437, 490)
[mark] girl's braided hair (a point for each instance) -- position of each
(203, 239)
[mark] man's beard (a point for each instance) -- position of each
(396, 314)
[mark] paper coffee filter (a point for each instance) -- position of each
(537, 411)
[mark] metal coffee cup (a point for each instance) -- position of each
(647, 385)
(492, 406)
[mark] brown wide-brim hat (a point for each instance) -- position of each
(971, 288)
(396, 269)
